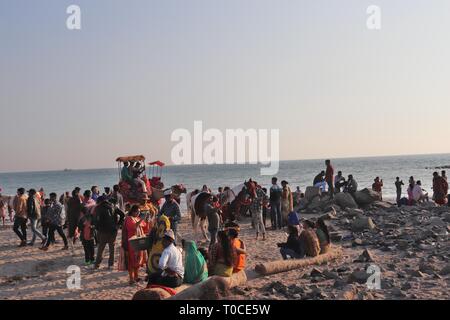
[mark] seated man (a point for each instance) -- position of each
(125, 172)
(137, 170)
(170, 264)
(292, 247)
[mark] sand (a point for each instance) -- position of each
(28, 273)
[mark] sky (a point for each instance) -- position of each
(138, 70)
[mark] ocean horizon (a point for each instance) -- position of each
(297, 172)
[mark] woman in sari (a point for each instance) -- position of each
(222, 256)
(195, 267)
(133, 226)
(287, 201)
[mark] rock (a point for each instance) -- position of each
(427, 268)
(330, 215)
(446, 217)
(335, 236)
(345, 200)
(353, 213)
(406, 286)
(417, 274)
(435, 221)
(339, 283)
(357, 242)
(316, 273)
(366, 256)
(382, 204)
(398, 293)
(330, 275)
(314, 204)
(359, 276)
(445, 271)
(402, 244)
(311, 193)
(348, 293)
(366, 197)
(362, 223)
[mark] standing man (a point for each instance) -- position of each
(398, 186)
(171, 209)
(275, 204)
(34, 214)
(20, 218)
(74, 207)
(107, 225)
(95, 193)
(329, 178)
(55, 218)
(212, 213)
(440, 189)
(377, 186)
(118, 196)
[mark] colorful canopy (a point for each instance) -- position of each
(131, 158)
(157, 163)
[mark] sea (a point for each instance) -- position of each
(297, 172)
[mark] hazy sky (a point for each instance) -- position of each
(140, 69)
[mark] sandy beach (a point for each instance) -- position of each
(410, 245)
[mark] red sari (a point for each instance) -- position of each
(135, 259)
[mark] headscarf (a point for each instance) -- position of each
(195, 265)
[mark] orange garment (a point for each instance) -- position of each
(135, 259)
(240, 258)
(20, 206)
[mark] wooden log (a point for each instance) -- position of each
(292, 264)
(156, 293)
(213, 288)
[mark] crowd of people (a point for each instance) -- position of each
(94, 219)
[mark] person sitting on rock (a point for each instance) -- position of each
(351, 185)
(323, 235)
(377, 186)
(339, 182)
(309, 240)
(292, 248)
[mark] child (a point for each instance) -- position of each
(233, 233)
(86, 227)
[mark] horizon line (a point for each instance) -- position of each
(230, 164)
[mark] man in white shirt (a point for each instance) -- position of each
(170, 264)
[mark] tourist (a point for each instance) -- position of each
(329, 178)
(87, 230)
(292, 247)
(221, 256)
(95, 193)
(45, 218)
(398, 186)
(34, 215)
(171, 209)
(74, 207)
(296, 196)
(125, 174)
(136, 172)
(214, 219)
(20, 217)
(266, 206)
(422, 193)
(119, 197)
(444, 175)
(107, 224)
(41, 196)
(309, 240)
(88, 203)
(256, 210)
(195, 266)
(287, 203)
(3, 208)
(440, 189)
(55, 220)
(107, 194)
(206, 189)
(275, 204)
(133, 226)
(339, 182)
(170, 264)
(351, 185)
(323, 236)
(319, 178)
(238, 247)
(377, 186)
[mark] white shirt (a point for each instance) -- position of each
(172, 258)
(417, 192)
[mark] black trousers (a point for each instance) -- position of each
(51, 235)
(166, 281)
(103, 240)
(89, 251)
(21, 223)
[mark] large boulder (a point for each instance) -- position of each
(311, 193)
(366, 197)
(345, 200)
(362, 223)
